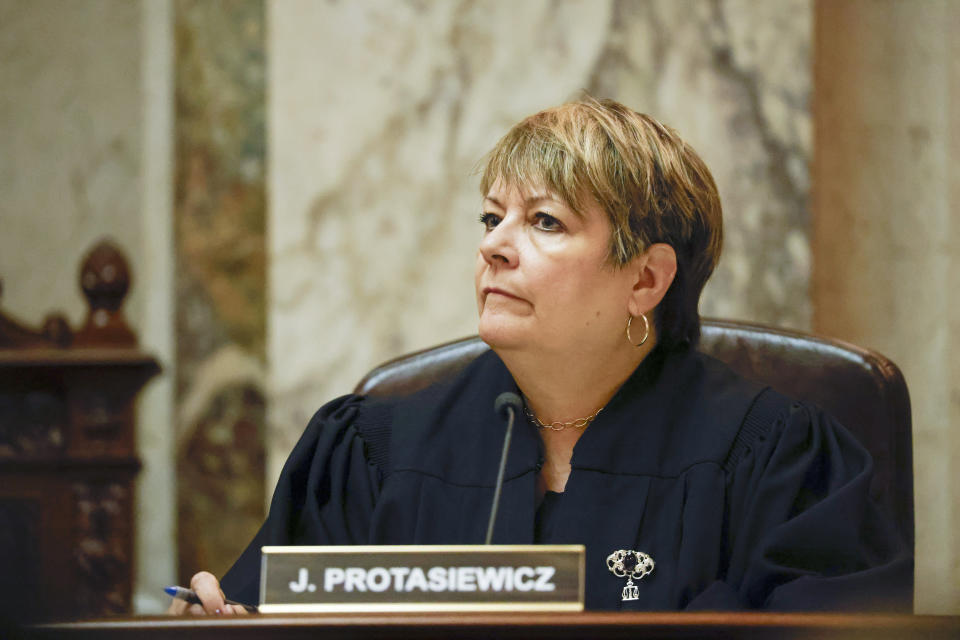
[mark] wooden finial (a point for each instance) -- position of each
(105, 280)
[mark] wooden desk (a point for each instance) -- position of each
(511, 625)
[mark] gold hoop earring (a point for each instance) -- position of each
(646, 331)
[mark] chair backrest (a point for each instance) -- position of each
(860, 387)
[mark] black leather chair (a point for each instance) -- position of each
(860, 387)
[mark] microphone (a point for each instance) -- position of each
(506, 406)
(506, 401)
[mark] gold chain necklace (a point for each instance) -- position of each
(579, 423)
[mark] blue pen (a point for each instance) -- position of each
(190, 596)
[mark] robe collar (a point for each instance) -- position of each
(678, 408)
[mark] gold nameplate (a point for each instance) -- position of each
(422, 578)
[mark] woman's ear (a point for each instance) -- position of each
(654, 271)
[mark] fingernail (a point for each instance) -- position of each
(219, 612)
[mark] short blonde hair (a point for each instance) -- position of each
(652, 185)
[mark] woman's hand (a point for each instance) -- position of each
(207, 588)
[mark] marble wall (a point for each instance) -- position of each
(220, 279)
(380, 111)
(70, 158)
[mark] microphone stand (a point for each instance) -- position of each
(505, 402)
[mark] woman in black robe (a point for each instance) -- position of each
(601, 228)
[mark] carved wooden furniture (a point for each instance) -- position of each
(67, 457)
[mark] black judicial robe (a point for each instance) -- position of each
(771, 512)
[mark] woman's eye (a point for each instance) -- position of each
(546, 222)
(489, 220)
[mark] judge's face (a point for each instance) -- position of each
(543, 278)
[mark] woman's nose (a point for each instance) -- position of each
(498, 246)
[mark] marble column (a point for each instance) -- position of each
(220, 279)
(156, 492)
(886, 239)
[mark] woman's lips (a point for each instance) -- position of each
(488, 290)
